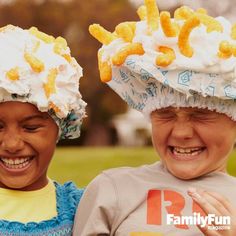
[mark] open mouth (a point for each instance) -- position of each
(16, 163)
(183, 153)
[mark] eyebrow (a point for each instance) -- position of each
(164, 110)
(203, 111)
(43, 117)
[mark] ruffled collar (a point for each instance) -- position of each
(67, 197)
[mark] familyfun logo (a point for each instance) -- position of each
(166, 207)
(212, 221)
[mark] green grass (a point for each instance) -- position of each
(81, 165)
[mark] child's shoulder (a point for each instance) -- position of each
(119, 176)
(69, 192)
(132, 171)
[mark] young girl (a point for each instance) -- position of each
(179, 72)
(39, 104)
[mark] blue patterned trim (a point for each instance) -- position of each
(149, 87)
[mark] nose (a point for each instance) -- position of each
(11, 142)
(182, 130)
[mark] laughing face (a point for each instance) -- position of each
(27, 143)
(191, 141)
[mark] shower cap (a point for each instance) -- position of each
(184, 60)
(39, 69)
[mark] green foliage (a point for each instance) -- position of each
(81, 165)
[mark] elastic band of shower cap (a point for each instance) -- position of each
(39, 69)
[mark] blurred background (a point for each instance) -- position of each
(112, 135)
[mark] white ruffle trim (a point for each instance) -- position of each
(176, 99)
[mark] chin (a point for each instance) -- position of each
(18, 185)
(185, 177)
(184, 174)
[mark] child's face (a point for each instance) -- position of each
(191, 141)
(27, 143)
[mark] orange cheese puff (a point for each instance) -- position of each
(125, 31)
(132, 25)
(101, 34)
(167, 57)
(152, 14)
(54, 107)
(60, 40)
(132, 48)
(49, 87)
(142, 12)
(13, 74)
(211, 23)
(225, 49)
(234, 50)
(36, 46)
(34, 62)
(183, 13)
(176, 26)
(104, 68)
(233, 32)
(168, 28)
(67, 57)
(45, 37)
(183, 39)
(202, 11)
(60, 45)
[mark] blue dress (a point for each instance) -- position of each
(68, 197)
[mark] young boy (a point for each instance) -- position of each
(39, 104)
(180, 73)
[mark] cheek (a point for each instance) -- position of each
(45, 152)
(41, 142)
(159, 137)
(221, 140)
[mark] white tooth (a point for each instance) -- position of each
(20, 161)
(16, 163)
(194, 153)
(193, 149)
(180, 150)
(188, 150)
(11, 161)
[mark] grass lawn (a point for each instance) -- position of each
(81, 164)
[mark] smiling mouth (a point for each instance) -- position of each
(183, 153)
(16, 163)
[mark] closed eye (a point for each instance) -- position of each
(205, 116)
(31, 128)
